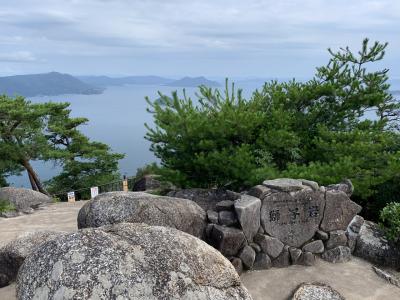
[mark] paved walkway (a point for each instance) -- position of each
(354, 279)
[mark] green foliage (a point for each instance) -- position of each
(209, 143)
(6, 206)
(390, 217)
(319, 129)
(148, 169)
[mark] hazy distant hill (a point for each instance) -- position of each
(193, 82)
(109, 81)
(48, 84)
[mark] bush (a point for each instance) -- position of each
(390, 220)
(6, 206)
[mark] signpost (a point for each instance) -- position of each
(94, 191)
(71, 197)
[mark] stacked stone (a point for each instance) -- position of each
(284, 222)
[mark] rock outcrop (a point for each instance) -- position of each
(285, 221)
(14, 253)
(128, 261)
(373, 246)
(138, 207)
(24, 200)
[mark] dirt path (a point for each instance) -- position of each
(59, 216)
(354, 280)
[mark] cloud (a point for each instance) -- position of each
(226, 31)
(18, 57)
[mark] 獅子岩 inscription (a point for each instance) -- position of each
(295, 218)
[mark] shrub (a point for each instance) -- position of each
(390, 220)
(6, 206)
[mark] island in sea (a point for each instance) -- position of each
(55, 83)
(47, 84)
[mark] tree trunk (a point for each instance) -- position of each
(32, 181)
(35, 177)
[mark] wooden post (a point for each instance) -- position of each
(125, 184)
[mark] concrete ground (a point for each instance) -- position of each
(354, 279)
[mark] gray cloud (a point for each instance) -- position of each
(18, 57)
(221, 37)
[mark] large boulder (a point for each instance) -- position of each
(14, 253)
(205, 198)
(292, 217)
(128, 261)
(24, 199)
(373, 246)
(138, 207)
(339, 211)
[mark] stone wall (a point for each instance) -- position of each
(283, 222)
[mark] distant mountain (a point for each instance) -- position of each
(193, 82)
(116, 81)
(48, 84)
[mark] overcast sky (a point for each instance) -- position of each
(279, 38)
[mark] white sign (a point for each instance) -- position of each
(94, 191)
(71, 197)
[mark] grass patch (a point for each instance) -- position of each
(6, 206)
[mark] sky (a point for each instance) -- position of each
(214, 38)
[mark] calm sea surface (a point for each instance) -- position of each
(117, 118)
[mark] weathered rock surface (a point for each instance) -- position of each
(322, 235)
(316, 291)
(387, 275)
(308, 259)
(248, 212)
(224, 205)
(262, 262)
(128, 261)
(283, 260)
(212, 216)
(345, 186)
(312, 184)
(14, 253)
(339, 211)
(336, 238)
(337, 255)
(314, 247)
(374, 247)
(247, 255)
(259, 191)
(295, 218)
(226, 218)
(227, 240)
(237, 264)
(295, 255)
(205, 198)
(24, 199)
(353, 230)
(138, 207)
(269, 245)
(284, 184)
